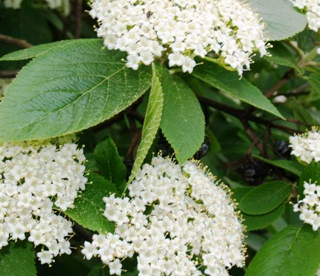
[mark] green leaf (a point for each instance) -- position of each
(182, 119)
(151, 122)
(68, 89)
(35, 51)
(294, 251)
(281, 18)
(110, 164)
(256, 222)
(262, 221)
(230, 83)
(17, 259)
(280, 54)
(89, 206)
(265, 198)
(289, 165)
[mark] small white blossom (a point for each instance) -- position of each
(309, 206)
(35, 176)
(180, 30)
(312, 8)
(306, 146)
(190, 224)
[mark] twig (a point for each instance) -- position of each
(15, 41)
(78, 15)
(8, 74)
(242, 115)
(279, 84)
(254, 138)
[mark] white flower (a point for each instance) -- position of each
(309, 206)
(35, 176)
(115, 267)
(169, 29)
(306, 146)
(190, 223)
(313, 12)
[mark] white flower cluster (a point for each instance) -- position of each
(306, 146)
(309, 206)
(36, 178)
(178, 221)
(180, 30)
(312, 8)
(63, 5)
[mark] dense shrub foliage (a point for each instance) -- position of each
(159, 137)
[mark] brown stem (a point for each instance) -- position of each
(254, 138)
(15, 41)
(243, 115)
(78, 18)
(8, 74)
(279, 84)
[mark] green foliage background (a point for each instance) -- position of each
(74, 85)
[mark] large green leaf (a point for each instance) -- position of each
(294, 251)
(68, 89)
(289, 165)
(17, 259)
(182, 119)
(281, 18)
(265, 198)
(151, 121)
(262, 221)
(230, 83)
(256, 222)
(110, 164)
(35, 50)
(89, 206)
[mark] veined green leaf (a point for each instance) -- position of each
(281, 18)
(68, 89)
(294, 251)
(151, 122)
(89, 206)
(265, 198)
(35, 51)
(230, 83)
(262, 221)
(17, 259)
(182, 119)
(110, 163)
(289, 165)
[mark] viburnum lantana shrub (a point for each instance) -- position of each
(159, 93)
